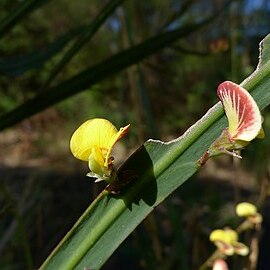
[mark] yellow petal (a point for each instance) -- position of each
(216, 235)
(230, 236)
(227, 236)
(245, 209)
(96, 162)
(223, 240)
(261, 134)
(120, 134)
(92, 133)
(243, 114)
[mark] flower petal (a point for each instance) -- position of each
(225, 248)
(245, 209)
(96, 132)
(240, 249)
(217, 235)
(230, 236)
(243, 114)
(261, 134)
(256, 218)
(120, 134)
(227, 235)
(220, 264)
(96, 162)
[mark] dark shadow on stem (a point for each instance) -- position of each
(136, 180)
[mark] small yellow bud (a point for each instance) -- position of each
(245, 209)
(227, 242)
(216, 235)
(230, 236)
(227, 236)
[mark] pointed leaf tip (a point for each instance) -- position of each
(243, 114)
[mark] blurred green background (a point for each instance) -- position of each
(154, 64)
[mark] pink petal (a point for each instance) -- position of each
(243, 114)
(220, 264)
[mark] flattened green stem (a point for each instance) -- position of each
(160, 166)
(72, 261)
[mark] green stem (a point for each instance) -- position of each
(208, 263)
(72, 261)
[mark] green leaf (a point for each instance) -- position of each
(18, 13)
(85, 36)
(97, 73)
(159, 168)
(264, 52)
(17, 65)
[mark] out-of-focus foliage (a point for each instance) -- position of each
(180, 70)
(172, 69)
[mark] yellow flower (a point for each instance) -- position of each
(227, 242)
(93, 142)
(245, 209)
(248, 211)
